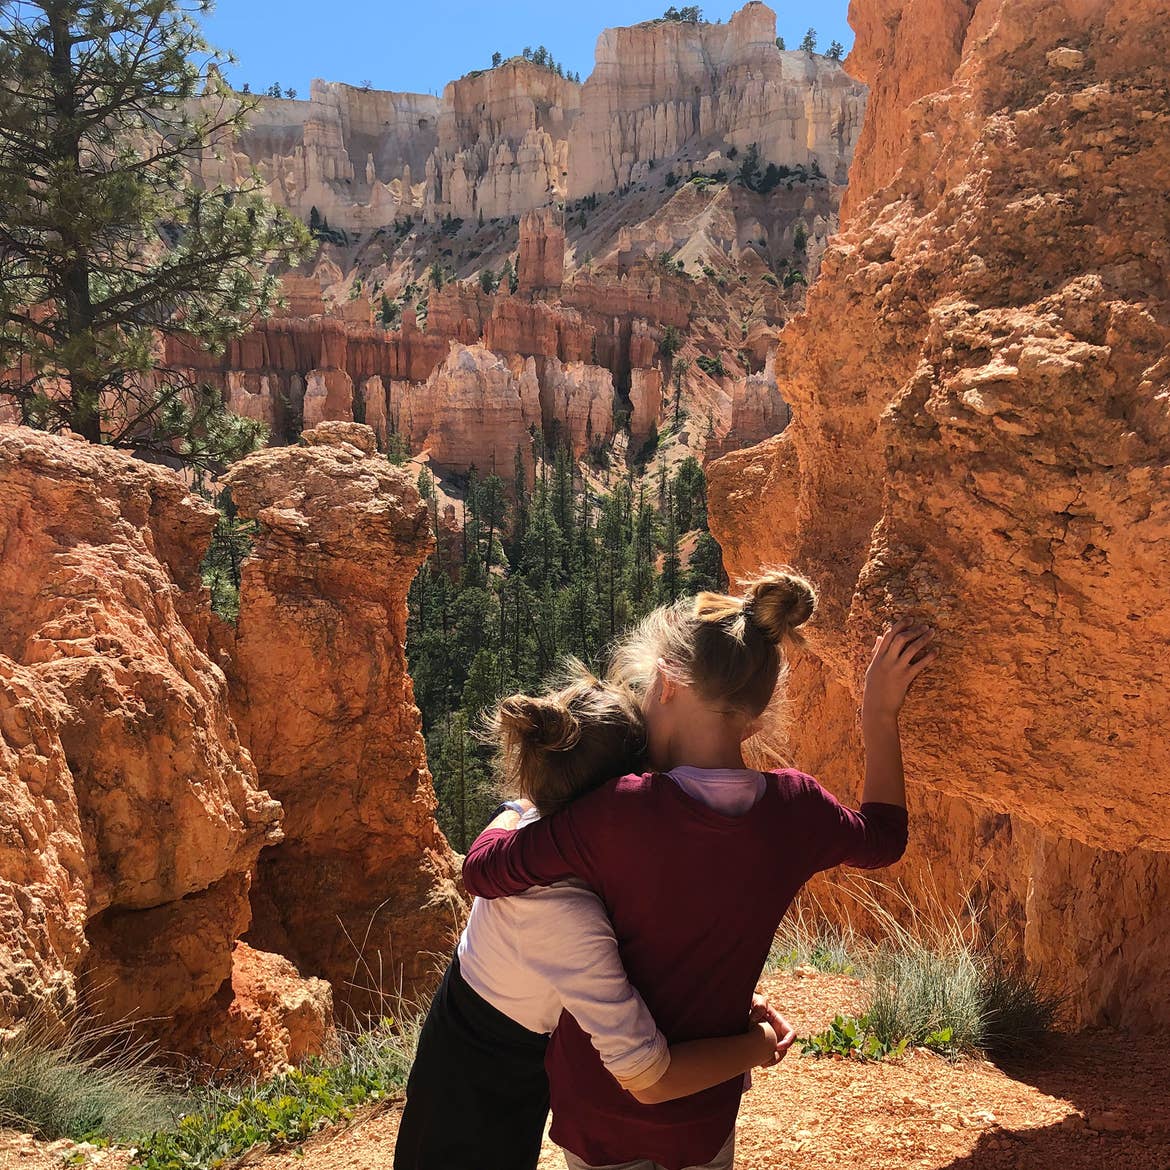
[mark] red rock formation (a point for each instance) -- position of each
(541, 267)
(362, 892)
(275, 1018)
(978, 438)
(132, 815)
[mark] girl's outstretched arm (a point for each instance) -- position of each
(502, 862)
(900, 655)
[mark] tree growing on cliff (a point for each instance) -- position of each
(106, 242)
(497, 60)
(836, 51)
(749, 167)
(681, 365)
(809, 43)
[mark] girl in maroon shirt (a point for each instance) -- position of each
(696, 886)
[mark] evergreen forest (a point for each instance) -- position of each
(543, 566)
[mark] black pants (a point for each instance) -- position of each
(477, 1098)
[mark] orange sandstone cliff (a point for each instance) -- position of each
(135, 831)
(980, 437)
(362, 889)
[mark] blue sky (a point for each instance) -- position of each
(419, 47)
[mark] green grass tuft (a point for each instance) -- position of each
(938, 983)
(87, 1084)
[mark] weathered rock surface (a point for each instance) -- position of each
(362, 891)
(503, 142)
(349, 152)
(669, 89)
(979, 437)
(132, 814)
(541, 266)
(132, 818)
(474, 410)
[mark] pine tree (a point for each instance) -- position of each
(106, 241)
(809, 42)
(681, 365)
(836, 51)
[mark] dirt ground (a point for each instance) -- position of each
(1096, 1101)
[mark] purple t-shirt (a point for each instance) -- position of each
(695, 897)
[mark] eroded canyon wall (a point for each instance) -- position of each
(133, 822)
(362, 891)
(667, 89)
(505, 140)
(980, 437)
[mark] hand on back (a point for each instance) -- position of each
(900, 655)
(776, 1034)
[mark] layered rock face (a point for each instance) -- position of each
(503, 142)
(541, 264)
(979, 437)
(597, 283)
(475, 410)
(133, 815)
(362, 891)
(356, 155)
(670, 89)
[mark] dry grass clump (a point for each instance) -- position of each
(933, 980)
(82, 1083)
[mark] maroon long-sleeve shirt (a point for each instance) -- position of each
(695, 898)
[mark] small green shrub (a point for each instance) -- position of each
(1019, 1012)
(919, 993)
(852, 1038)
(224, 1124)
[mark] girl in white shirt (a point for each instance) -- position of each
(477, 1098)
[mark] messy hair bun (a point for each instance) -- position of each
(543, 724)
(778, 603)
(729, 649)
(553, 747)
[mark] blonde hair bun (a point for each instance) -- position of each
(541, 723)
(778, 603)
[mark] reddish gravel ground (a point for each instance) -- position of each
(1096, 1101)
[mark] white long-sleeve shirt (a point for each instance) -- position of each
(553, 948)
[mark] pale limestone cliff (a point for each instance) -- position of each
(503, 142)
(670, 90)
(348, 152)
